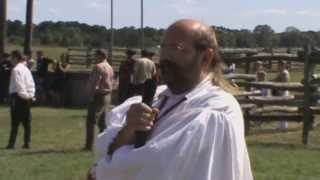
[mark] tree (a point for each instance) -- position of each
(226, 37)
(244, 38)
(292, 37)
(264, 36)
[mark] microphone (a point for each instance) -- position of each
(150, 86)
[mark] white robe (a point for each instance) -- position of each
(201, 139)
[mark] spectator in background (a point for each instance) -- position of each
(258, 66)
(283, 76)
(30, 60)
(57, 90)
(5, 70)
(261, 76)
(22, 91)
(258, 70)
(229, 68)
(43, 65)
(42, 77)
(100, 88)
(144, 68)
(125, 89)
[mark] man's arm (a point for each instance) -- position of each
(125, 136)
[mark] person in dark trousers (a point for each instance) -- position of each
(125, 89)
(5, 71)
(22, 91)
(42, 70)
(100, 88)
(58, 87)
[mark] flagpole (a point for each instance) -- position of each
(112, 32)
(29, 27)
(3, 25)
(142, 26)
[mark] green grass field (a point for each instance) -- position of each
(58, 136)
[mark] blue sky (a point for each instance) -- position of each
(239, 14)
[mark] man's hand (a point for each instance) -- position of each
(140, 117)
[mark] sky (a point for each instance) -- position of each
(235, 14)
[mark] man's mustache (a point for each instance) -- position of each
(167, 65)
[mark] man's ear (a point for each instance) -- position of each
(207, 58)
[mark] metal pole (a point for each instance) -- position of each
(142, 30)
(29, 27)
(112, 33)
(3, 25)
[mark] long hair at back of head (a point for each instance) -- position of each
(205, 38)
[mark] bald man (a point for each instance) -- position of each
(195, 125)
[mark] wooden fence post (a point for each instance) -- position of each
(29, 27)
(3, 25)
(307, 95)
(88, 57)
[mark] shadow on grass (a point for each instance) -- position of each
(278, 145)
(272, 131)
(78, 116)
(50, 151)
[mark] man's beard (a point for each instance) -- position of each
(176, 79)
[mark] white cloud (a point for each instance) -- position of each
(190, 1)
(273, 12)
(184, 7)
(53, 11)
(302, 12)
(97, 4)
(309, 13)
(14, 9)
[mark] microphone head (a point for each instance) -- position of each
(150, 86)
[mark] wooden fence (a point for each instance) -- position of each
(299, 107)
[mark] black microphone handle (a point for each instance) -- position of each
(149, 91)
(141, 138)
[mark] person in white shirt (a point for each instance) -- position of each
(22, 91)
(195, 125)
(144, 68)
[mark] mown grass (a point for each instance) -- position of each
(58, 136)
(57, 139)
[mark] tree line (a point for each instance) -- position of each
(66, 34)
